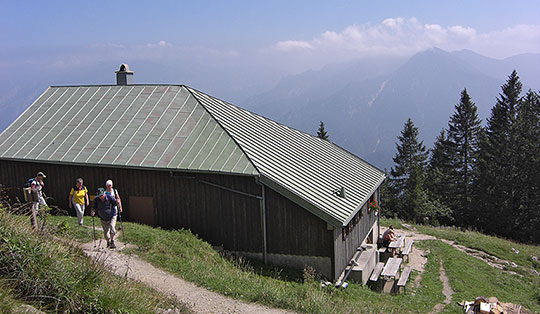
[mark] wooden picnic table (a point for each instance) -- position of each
(397, 243)
(392, 267)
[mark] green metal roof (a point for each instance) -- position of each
(155, 126)
(303, 167)
(178, 128)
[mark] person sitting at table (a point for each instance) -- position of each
(388, 236)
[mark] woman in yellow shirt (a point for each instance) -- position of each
(78, 196)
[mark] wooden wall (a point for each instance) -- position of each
(220, 216)
(293, 230)
(180, 201)
(344, 249)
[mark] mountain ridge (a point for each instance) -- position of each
(367, 114)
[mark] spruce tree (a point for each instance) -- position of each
(496, 190)
(389, 198)
(321, 132)
(464, 129)
(408, 172)
(526, 211)
(440, 173)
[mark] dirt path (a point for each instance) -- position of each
(199, 299)
(491, 260)
(447, 291)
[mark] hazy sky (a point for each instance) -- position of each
(287, 35)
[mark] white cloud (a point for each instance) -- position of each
(509, 41)
(288, 45)
(405, 36)
(160, 43)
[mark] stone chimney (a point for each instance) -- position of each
(124, 76)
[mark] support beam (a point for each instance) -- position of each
(263, 223)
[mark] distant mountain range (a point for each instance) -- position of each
(363, 104)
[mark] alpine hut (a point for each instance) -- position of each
(184, 159)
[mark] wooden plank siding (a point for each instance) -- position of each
(345, 249)
(293, 230)
(215, 213)
(219, 216)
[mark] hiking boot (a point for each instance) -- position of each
(108, 244)
(112, 246)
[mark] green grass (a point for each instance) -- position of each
(8, 300)
(58, 277)
(182, 253)
(470, 278)
(498, 247)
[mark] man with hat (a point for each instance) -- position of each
(105, 205)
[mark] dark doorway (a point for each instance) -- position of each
(141, 209)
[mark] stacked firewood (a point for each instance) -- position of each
(483, 305)
(491, 305)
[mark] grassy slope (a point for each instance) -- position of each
(498, 247)
(187, 256)
(470, 277)
(182, 253)
(57, 277)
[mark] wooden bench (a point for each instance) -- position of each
(403, 279)
(407, 249)
(374, 281)
(376, 272)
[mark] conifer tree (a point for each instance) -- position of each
(527, 214)
(408, 173)
(440, 172)
(496, 189)
(464, 129)
(389, 198)
(321, 132)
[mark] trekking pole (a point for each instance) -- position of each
(94, 227)
(122, 227)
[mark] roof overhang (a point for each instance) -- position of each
(364, 201)
(173, 170)
(300, 201)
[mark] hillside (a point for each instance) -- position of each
(46, 271)
(184, 255)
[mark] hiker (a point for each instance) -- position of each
(105, 205)
(33, 194)
(78, 197)
(32, 197)
(39, 186)
(114, 193)
(388, 236)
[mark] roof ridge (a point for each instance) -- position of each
(220, 110)
(286, 126)
(108, 85)
(190, 90)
